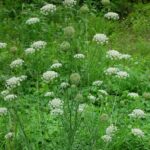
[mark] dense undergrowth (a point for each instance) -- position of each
(70, 91)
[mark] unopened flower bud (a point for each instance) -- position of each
(79, 97)
(69, 31)
(65, 46)
(84, 9)
(75, 78)
(146, 95)
(105, 2)
(104, 117)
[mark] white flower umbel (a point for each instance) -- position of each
(111, 71)
(64, 85)
(69, 3)
(133, 95)
(100, 38)
(39, 45)
(125, 56)
(106, 138)
(3, 45)
(56, 103)
(56, 111)
(22, 78)
(56, 65)
(5, 92)
(49, 76)
(31, 21)
(137, 132)
(122, 74)
(111, 130)
(97, 83)
(56, 106)
(3, 111)
(49, 94)
(82, 107)
(79, 56)
(91, 98)
(9, 135)
(29, 51)
(13, 82)
(16, 63)
(137, 113)
(103, 92)
(113, 55)
(48, 9)
(112, 16)
(10, 97)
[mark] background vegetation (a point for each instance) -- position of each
(29, 116)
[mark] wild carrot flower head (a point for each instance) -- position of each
(111, 16)
(49, 76)
(100, 38)
(31, 21)
(48, 8)
(16, 63)
(137, 132)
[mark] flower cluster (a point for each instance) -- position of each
(2, 45)
(137, 132)
(5, 92)
(82, 107)
(49, 76)
(84, 9)
(49, 94)
(137, 113)
(29, 51)
(100, 38)
(111, 16)
(38, 45)
(111, 71)
(69, 3)
(64, 46)
(146, 95)
(75, 78)
(106, 138)
(103, 92)
(92, 98)
(32, 21)
(13, 82)
(3, 111)
(115, 55)
(56, 106)
(17, 63)
(97, 83)
(79, 56)
(69, 31)
(48, 8)
(10, 97)
(64, 85)
(122, 74)
(110, 131)
(56, 65)
(22, 78)
(125, 56)
(105, 2)
(133, 95)
(9, 135)
(116, 72)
